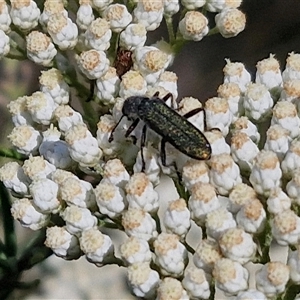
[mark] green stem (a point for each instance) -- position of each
(10, 153)
(8, 223)
(170, 29)
(213, 31)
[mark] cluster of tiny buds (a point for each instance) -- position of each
(249, 188)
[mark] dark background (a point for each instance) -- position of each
(272, 26)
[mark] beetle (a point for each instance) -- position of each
(168, 123)
(123, 61)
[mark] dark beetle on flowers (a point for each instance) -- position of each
(170, 125)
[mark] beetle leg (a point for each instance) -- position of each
(132, 127)
(143, 142)
(194, 112)
(163, 151)
(163, 158)
(92, 88)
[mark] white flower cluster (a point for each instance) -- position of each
(253, 129)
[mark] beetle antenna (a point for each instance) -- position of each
(111, 137)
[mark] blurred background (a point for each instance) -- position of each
(273, 26)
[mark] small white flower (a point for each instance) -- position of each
(218, 221)
(118, 17)
(293, 186)
(52, 83)
(67, 117)
(237, 245)
(196, 282)
(266, 173)
(132, 84)
(251, 295)
(52, 7)
(78, 219)
(188, 104)
(18, 110)
(243, 124)
(285, 114)
(25, 139)
(194, 171)
(62, 243)
(149, 13)
(236, 72)
(139, 223)
(230, 22)
(177, 218)
(140, 193)
(37, 167)
(286, 228)
(104, 129)
(135, 250)
(252, 216)
(14, 178)
(44, 194)
(291, 160)
(293, 263)
(115, 172)
(168, 81)
(278, 201)
(5, 19)
(272, 278)
(194, 26)
(171, 7)
(224, 173)
(219, 5)
(98, 35)
(171, 288)
(232, 93)
(150, 62)
(230, 276)
(59, 176)
(55, 150)
(170, 254)
(291, 91)
(207, 254)
(108, 86)
(258, 101)
(98, 247)
(217, 142)
(133, 36)
(4, 44)
(193, 4)
(142, 280)
(78, 192)
(268, 72)
(23, 211)
(63, 31)
(83, 146)
(240, 195)
(93, 64)
(243, 150)
(110, 199)
(100, 5)
(24, 14)
(218, 114)
(203, 200)
(41, 106)
(292, 69)
(40, 48)
(151, 160)
(84, 15)
(278, 140)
